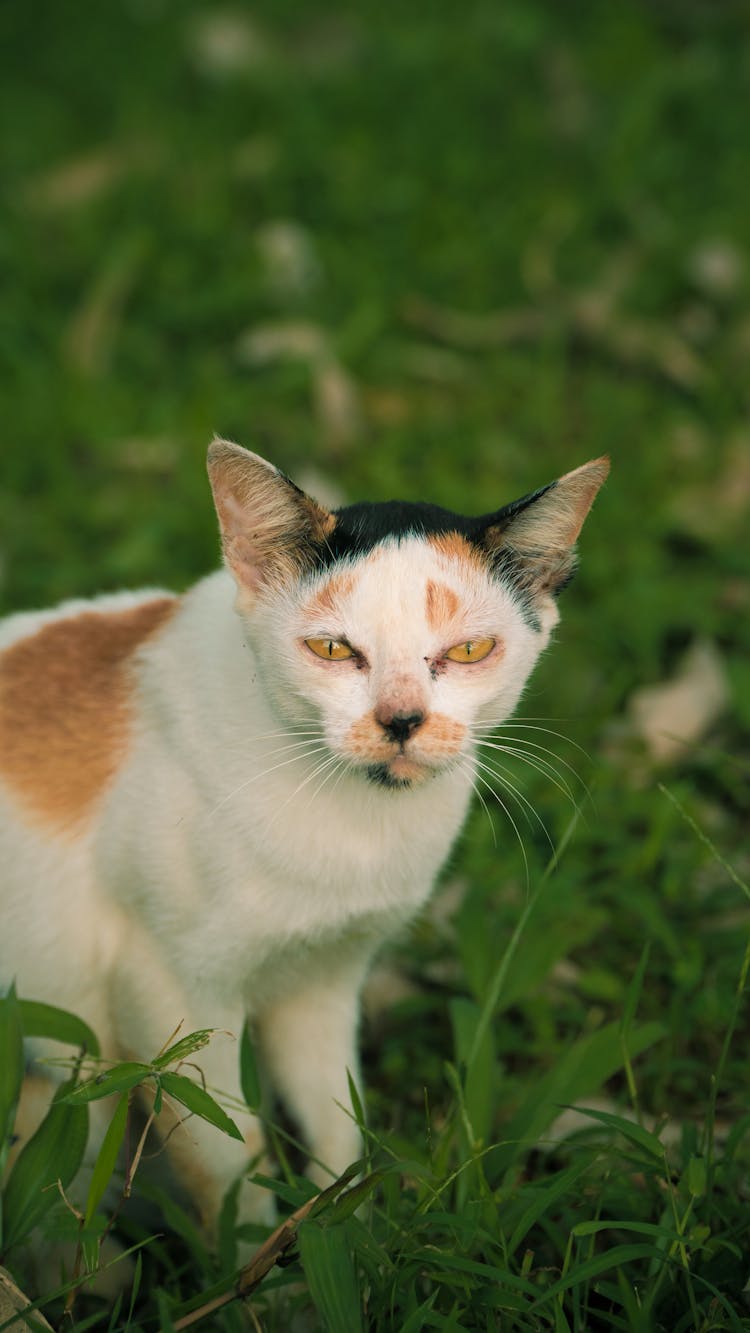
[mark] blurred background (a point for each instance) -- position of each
(439, 252)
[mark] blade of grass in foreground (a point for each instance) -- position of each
(330, 1272)
(494, 990)
(580, 1072)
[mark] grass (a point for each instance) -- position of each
(496, 243)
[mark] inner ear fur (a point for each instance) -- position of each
(535, 537)
(270, 530)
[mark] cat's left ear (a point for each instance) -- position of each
(534, 538)
(270, 530)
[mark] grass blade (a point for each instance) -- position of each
(107, 1158)
(583, 1069)
(11, 1069)
(331, 1275)
(186, 1046)
(47, 1020)
(546, 1196)
(121, 1078)
(641, 1137)
(54, 1153)
(601, 1263)
(200, 1102)
(250, 1082)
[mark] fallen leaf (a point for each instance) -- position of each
(295, 340)
(226, 42)
(717, 266)
(336, 403)
(321, 486)
(13, 1301)
(152, 453)
(93, 327)
(76, 181)
(385, 986)
(291, 267)
(675, 715)
(711, 511)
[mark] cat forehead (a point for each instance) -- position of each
(437, 578)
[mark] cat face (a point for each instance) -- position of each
(393, 632)
(397, 655)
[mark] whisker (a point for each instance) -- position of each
(530, 745)
(257, 776)
(540, 765)
(501, 803)
(498, 773)
(276, 735)
(465, 767)
(288, 731)
(319, 768)
(523, 801)
(331, 773)
(281, 749)
(346, 767)
(523, 726)
(246, 748)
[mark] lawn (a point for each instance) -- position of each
(443, 254)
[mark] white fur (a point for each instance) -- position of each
(223, 876)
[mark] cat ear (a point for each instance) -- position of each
(269, 528)
(534, 538)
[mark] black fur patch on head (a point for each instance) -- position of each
(359, 528)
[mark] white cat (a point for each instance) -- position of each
(220, 805)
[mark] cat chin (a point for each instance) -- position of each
(399, 775)
(380, 775)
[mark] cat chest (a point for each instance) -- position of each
(257, 933)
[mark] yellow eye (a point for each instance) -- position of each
(331, 649)
(472, 651)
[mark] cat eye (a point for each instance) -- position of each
(333, 650)
(474, 650)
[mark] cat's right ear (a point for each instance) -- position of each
(270, 529)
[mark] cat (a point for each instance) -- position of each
(219, 806)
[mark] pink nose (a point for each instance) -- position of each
(400, 726)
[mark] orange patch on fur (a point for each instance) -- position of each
(324, 601)
(438, 737)
(441, 732)
(455, 547)
(442, 604)
(65, 707)
(366, 739)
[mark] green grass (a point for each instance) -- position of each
(587, 167)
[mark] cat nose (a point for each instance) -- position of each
(399, 726)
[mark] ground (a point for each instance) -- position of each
(446, 254)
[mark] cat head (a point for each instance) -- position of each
(394, 631)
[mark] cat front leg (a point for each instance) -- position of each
(308, 1041)
(204, 1160)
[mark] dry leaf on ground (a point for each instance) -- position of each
(13, 1301)
(226, 42)
(676, 714)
